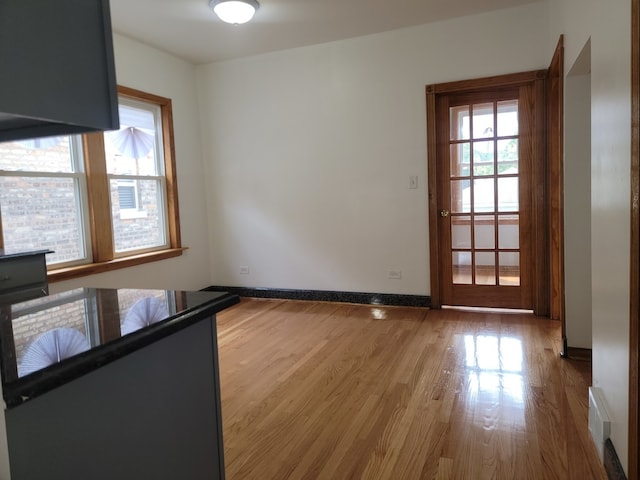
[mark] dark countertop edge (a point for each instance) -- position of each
(38, 383)
(22, 254)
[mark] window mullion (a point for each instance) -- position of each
(98, 197)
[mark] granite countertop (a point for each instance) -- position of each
(8, 253)
(49, 341)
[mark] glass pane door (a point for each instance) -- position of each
(484, 180)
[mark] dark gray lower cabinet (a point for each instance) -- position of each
(153, 414)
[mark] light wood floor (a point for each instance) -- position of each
(315, 390)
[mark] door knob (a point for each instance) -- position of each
(444, 213)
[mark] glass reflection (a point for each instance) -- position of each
(484, 231)
(509, 231)
(461, 231)
(509, 268)
(52, 347)
(495, 381)
(144, 312)
(461, 268)
(485, 268)
(50, 329)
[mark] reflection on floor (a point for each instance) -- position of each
(337, 391)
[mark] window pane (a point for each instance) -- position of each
(483, 158)
(485, 268)
(143, 226)
(459, 117)
(49, 154)
(132, 149)
(461, 231)
(509, 268)
(484, 231)
(460, 196)
(461, 267)
(460, 160)
(508, 118)
(508, 194)
(508, 231)
(483, 120)
(508, 156)
(483, 195)
(42, 213)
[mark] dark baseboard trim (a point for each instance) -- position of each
(574, 353)
(328, 296)
(564, 353)
(579, 353)
(612, 462)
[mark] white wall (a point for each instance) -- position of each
(607, 24)
(309, 151)
(577, 201)
(150, 70)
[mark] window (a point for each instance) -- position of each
(99, 201)
(43, 198)
(135, 169)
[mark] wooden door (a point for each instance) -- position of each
(486, 190)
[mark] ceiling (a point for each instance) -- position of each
(190, 30)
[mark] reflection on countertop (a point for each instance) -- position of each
(63, 333)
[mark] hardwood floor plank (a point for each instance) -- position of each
(314, 390)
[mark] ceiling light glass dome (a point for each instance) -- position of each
(234, 11)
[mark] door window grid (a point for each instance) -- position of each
(483, 174)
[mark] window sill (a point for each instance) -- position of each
(69, 273)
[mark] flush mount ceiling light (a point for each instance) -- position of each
(234, 11)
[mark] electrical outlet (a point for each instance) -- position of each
(395, 274)
(244, 270)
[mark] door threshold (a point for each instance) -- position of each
(486, 309)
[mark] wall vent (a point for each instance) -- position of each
(599, 423)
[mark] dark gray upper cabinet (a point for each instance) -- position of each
(57, 72)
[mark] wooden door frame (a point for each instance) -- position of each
(555, 143)
(540, 228)
(633, 467)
